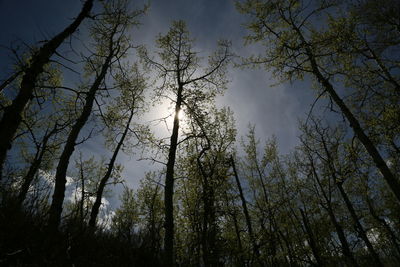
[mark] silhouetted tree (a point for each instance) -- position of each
(123, 111)
(295, 47)
(112, 44)
(12, 114)
(178, 68)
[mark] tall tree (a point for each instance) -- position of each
(126, 106)
(182, 80)
(296, 47)
(245, 210)
(126, 216)
(112, 44)
(43, 147)
(151, 211)
(329, 148)
(203, 166)
(327, 203)
(12, 114)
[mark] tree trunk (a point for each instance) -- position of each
(380, 163)
(154, 230)
(385, 225)
(169, 186)
(61, 172)
(232, 213)
(210, 251)
(339, 230)
(33, 169)
(311, 239)
(245, 211)
(237, 232)
(106, 177)
(290, 256)
(9, 80)
(207, 246)
(342, 237)
(348, 203)
(12, 114)
(82, 200)
(359, 227)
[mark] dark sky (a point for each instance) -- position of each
(275, 110)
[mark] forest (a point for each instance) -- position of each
(208, 196)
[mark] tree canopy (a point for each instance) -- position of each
(209, 194)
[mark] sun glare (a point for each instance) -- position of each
(181, 115)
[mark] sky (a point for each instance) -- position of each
(275, 110)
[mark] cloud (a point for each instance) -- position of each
(73, 194)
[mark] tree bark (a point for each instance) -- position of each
(9, 80)
(358, 225)
(385, 225)
(239, 239)
(106, 177)
(61, 172)
(339, 229)
(380, 163)
(33, 169)
(311, 239)
(208, 233)
(12, 114)
(245, 211)
(342, 237)
(82, 200)
(169, 185)
(349, 205)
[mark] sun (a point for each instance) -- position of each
(181, 115)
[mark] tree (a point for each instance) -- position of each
(84, 179)
(367, 38)
(43, 147)
(12, 114)
(126, 216)
(327, 203)
(112, 44)
(127, 105)
(327, 146)
(245, 210)
(296, 47)
(179, 69)
(151, 211)
(204, 172)
(38, 139)
(254, 166)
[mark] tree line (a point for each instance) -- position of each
(218, 200)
